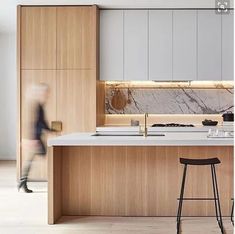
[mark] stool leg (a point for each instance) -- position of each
(181, 199)
(218, 200)
(214, 192)
(232, 213)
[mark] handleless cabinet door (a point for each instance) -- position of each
(209, 45)
(38, 38)
(227, 46)
(111, 44)
(184, 44)
(160, 45)
(135, 45)
(76, 36)
(76, 100)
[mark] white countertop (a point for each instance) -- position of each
(170, 139)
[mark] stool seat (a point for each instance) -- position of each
(207, 161)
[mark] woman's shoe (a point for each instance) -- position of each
(23, 185)
(25, 188)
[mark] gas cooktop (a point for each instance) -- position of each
(173, 125)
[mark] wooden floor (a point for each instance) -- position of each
(27, 214)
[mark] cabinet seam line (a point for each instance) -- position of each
(197, 45)
(172, 49)
(123, 40)
(148, 46)
(56, 80)
(221, 45)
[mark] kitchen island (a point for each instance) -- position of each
(129, 175)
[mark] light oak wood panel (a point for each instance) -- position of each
(135, 181)
(76, 100)
(83, 189)
(37, 49)
(100, 103)
(54, 184)
(163, 180)
(30, 78)
(100, 86)
(96, 24)
(76, 37)
(141, 181)
(18, 146)
(38, 37)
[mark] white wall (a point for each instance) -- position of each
(8, 92)
(8, 7)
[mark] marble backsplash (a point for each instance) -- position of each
(167, 100)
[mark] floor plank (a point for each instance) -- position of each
(27, 214)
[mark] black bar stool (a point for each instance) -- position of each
(201, 162)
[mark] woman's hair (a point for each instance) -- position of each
(35, 91)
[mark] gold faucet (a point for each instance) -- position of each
(145, 125)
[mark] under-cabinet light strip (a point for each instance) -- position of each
(171, 84)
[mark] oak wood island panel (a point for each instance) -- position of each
(134, 180)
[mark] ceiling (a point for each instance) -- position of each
(8, 7)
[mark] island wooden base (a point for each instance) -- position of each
(134, 181)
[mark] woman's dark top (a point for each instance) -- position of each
(40, 125)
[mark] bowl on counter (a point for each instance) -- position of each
(209, 122)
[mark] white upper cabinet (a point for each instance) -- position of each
(111, 45)
(184, 45)
(165, 45)
(209, 45)
(135, 45)
(227, 47)
(160, 45)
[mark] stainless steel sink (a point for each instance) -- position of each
(155, 134)
(116, 134)
(125, 134)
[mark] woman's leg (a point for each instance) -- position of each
(27, 166)
(37, 148)
(25, 173)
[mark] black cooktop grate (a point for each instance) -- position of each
(173, 125)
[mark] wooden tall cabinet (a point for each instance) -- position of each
(75, 38)
(38, 37)
(58, 46)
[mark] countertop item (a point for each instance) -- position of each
(212, 133)
(228, 116)
(169, 139)
(209, 122)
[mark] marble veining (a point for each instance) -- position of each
(167, 100)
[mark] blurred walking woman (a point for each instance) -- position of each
(36, 123)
